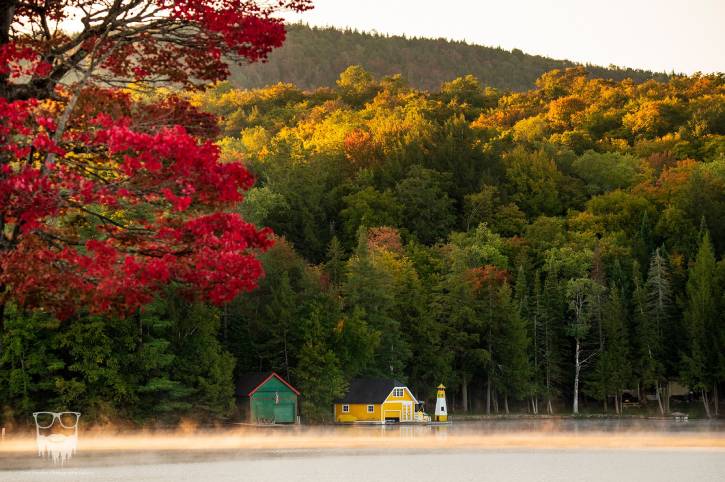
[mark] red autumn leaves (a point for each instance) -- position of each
(124, 213)
(486, 276)
(127, 196)
(180, 41)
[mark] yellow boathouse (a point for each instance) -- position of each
(376, 400)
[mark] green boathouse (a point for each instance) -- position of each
(266, 397)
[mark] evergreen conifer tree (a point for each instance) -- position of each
(702, 322)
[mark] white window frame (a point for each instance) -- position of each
(346, 409)
(371, 408)
(398, 392)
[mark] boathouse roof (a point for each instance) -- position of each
(369, 390)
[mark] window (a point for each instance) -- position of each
(397, 392)
(345, 408)
(443, 409)
(371, 408)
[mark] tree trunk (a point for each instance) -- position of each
(7, 12)
(549, 408)
(286, 355)
(534, 396)
(488, 394)
(577, 369)
(139, 320)
(706, 403)
(599, 277)
(495, 401)
(659, 397)
(616, 403)
(225, 319)
(641, 395)
(547, 361)
(715, 400)
(506, 403)
(464, 394)
(667, 390)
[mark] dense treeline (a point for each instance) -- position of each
(313, 57)
(533, 251)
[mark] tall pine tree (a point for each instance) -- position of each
(658, 299)
(702, 322)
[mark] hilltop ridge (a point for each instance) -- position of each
(314, 56)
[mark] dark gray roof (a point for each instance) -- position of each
(369, 390)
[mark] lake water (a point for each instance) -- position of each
(501, 450)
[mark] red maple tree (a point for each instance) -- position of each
(487, 276)
(103, 200)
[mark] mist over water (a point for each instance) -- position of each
(501, 450)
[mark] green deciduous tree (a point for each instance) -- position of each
(356, 85)
(583, 295)
(534, 181)
(369, 208)
(427, 211)
(607, 171)
(370, 293)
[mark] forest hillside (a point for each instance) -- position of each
(313, 57)
(547, 251)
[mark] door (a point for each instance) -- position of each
(407, 415)
(262, 411)
(284, 413)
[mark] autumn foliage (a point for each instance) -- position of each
(486, 276)
(105, 198)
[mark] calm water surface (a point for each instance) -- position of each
(342, 464)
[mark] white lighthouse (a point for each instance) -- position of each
(441, 413)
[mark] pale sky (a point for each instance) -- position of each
(661, 35)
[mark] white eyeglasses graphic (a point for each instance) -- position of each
(45, 420)
(59, 446)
